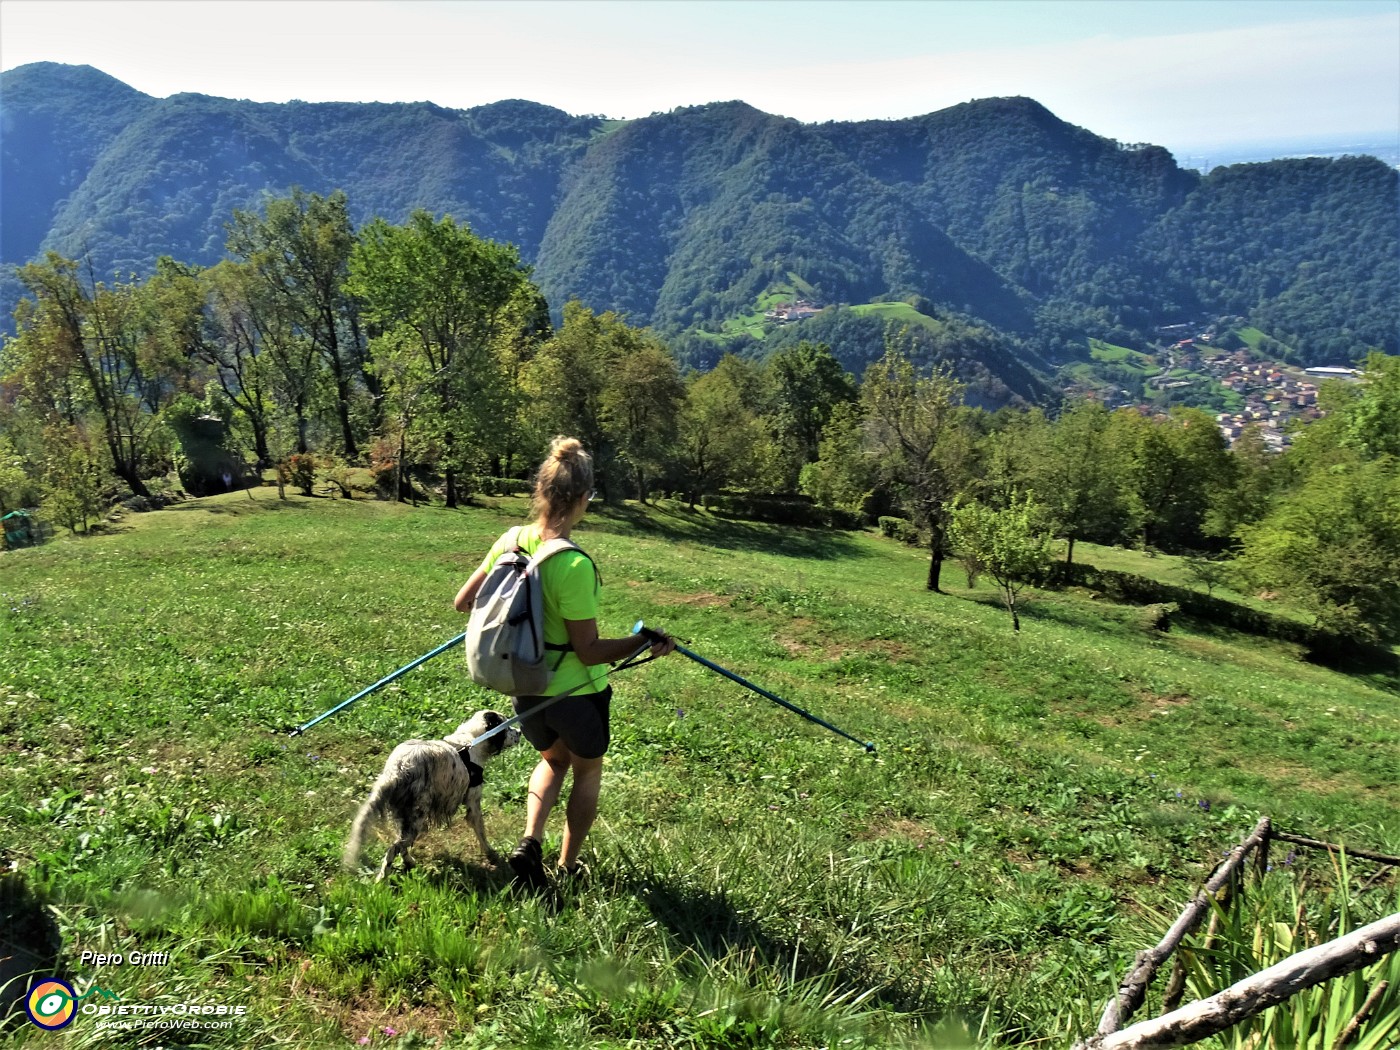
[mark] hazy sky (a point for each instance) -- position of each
(1186, 74)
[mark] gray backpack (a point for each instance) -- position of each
(506, 650)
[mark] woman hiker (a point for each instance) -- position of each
(572, 734)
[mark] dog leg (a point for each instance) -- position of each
(479, 826)
(394, 850)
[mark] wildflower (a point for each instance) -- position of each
(364, 1040)
(680, 713)
(1292, 856)
(1204, 804)
(391, 1032)
(1178, 794)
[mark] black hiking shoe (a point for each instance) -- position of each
(527, 861)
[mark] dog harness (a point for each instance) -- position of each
(475, 774)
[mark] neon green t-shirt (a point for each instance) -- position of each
(570, 587)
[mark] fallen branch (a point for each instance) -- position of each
(1354, 1025)
(1331, 847)
(1243, 1000)
(1133, 990)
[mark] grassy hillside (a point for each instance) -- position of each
(1038, 807)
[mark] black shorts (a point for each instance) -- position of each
(581, 721)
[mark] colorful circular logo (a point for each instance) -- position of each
(52, 1004)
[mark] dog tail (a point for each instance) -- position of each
(364, 820)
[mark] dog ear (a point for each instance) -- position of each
(492, 719)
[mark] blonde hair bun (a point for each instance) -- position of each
(565, 448)
(564, 478)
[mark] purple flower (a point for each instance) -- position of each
(680, 713)
(1204, 804)
(1292, 856)
(390, 1031)
(364, 1040)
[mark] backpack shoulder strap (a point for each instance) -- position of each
(545, 551)
(557, 545)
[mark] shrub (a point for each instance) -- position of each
(781, 510)
(899, 529)
(301, 472)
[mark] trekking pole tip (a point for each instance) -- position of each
(869, 748)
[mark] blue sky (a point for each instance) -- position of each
(1186, 74)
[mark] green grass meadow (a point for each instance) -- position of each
(1039, 808)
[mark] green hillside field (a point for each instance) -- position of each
(1039, 807)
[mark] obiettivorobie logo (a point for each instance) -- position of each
(52, 1004)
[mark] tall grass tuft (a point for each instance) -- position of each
(1281, 917)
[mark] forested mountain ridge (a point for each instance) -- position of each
(995, 211)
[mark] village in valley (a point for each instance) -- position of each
(1228, 371)
(1202, 367)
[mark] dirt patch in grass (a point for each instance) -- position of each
(1163, 702)
(691, 599)
(360, 1018)
(900, 827)
(1301, 778)
(802, 637)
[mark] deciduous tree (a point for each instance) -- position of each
(1009, 544)
(921, 443)
(438, 299)
(299, 248)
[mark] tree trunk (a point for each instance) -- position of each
(450, 484)
(935, 559)
(260, 442)
(127, 473)
(1069, 551)
(342, 397)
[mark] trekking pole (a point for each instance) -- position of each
(869, 747)
(380, 684)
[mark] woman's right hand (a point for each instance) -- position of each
(662, 644)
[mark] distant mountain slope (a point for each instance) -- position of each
(995, 211)
(55, 121)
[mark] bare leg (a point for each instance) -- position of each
(582, 808)
(545, 784)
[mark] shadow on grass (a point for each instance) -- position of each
(468, 873)
(1379, 667)
(709, 924)
(680, 523)
(29, 947)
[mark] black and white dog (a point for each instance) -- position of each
(424, 782)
